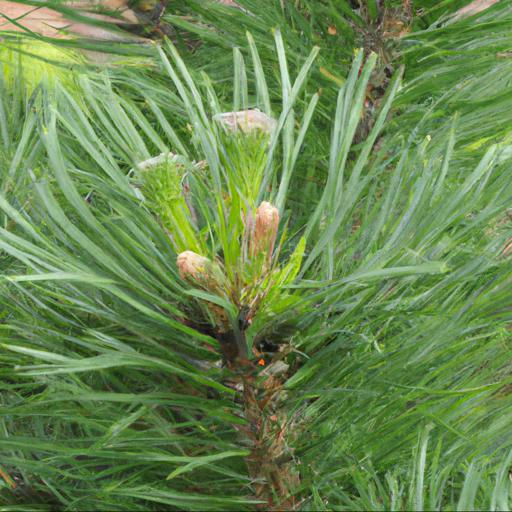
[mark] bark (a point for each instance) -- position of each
(474, 8)
(54, 24)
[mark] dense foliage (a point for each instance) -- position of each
(306, 306)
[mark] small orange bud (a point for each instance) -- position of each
(207, 274)
(261, 362)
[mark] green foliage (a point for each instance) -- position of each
(26, 62)
(460, 67)
(388, 292)
(164, 189)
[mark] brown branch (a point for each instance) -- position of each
(474, 8)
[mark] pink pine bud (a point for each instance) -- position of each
(265, 230)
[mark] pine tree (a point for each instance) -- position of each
(259, 295)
